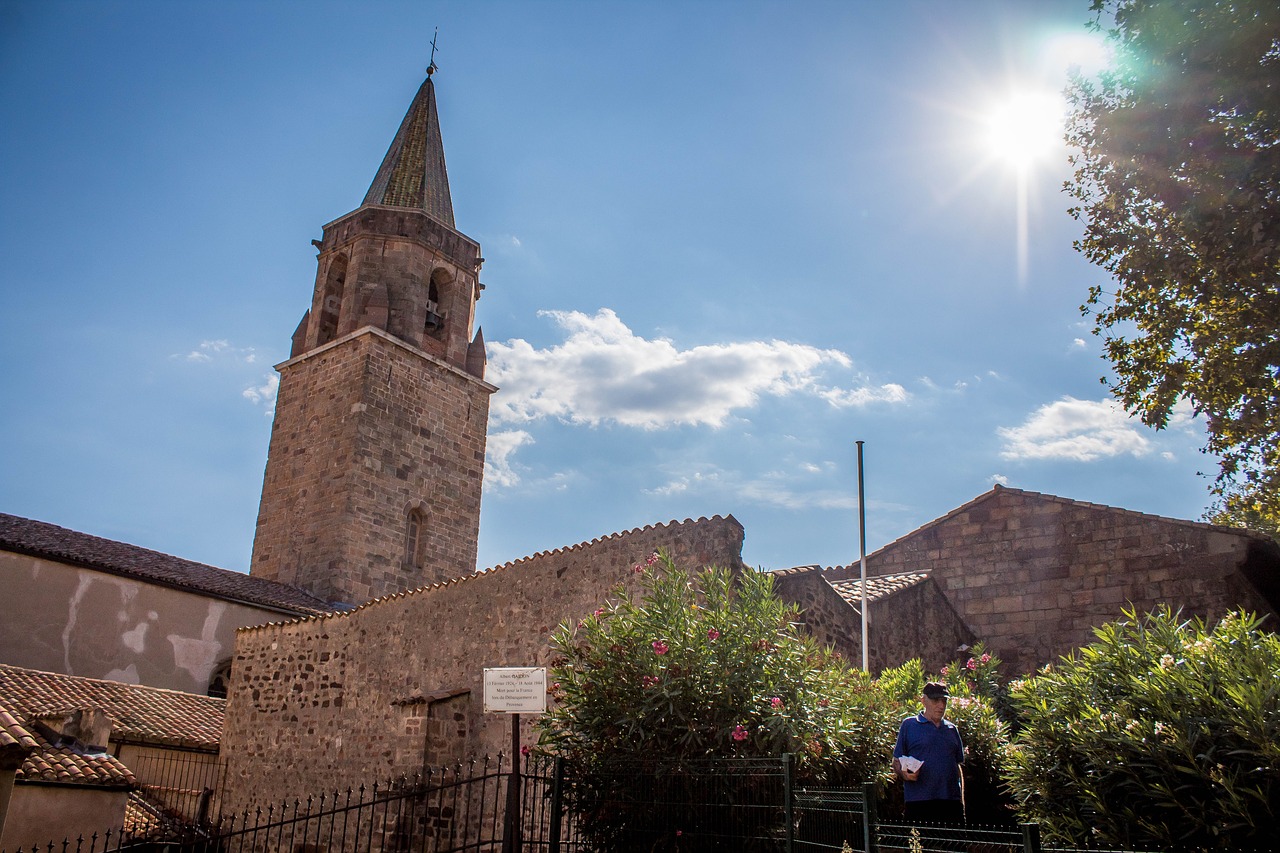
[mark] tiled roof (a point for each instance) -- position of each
(413, 173)
(878, 587)
(49, 541)
(12, 732)
(138, 714)
(63, 765)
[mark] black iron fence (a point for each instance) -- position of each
(718, 806)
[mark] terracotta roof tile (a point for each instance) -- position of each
(49, 541)
(878, 587)
(13, 733)
(138, 714)
(65, 766)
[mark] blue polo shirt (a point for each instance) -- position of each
(942, 752)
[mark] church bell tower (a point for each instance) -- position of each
(373, 476)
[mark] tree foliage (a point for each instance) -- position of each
(1177, 181)
(1163, 734)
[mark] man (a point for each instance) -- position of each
(934, 789)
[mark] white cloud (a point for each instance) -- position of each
(999, 479)
(264, 393)
(500, 447)
(221, 350)
(603, 372)
(843, 399)
(1079, 430)
(1077, 343)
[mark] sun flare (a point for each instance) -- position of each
(1026, 128)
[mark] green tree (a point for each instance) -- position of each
(1177, 180)
(1248, 511)
(1162, 734)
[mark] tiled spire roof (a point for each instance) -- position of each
(413, 172)
(41, 539)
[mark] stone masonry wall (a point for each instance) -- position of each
(912, 623)
(367, 429)
(1032, 574)
(368, 695)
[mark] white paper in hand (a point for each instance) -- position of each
(909, 764)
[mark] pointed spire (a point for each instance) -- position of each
(413, 172)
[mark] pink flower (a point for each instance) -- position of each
(660, 648)
(679, 832)
(637, 568)
(738, 733)
(653, 558)
(775, 703)
(972, 664)
(649, 681)
(599, 612)
(713, 634)
(986, 658)
(524, 750)
(946, 670)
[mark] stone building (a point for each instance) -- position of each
(395, 686)
(377, 451)
(364, 625)
(1031, 575)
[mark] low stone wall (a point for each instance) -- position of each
(397, 684)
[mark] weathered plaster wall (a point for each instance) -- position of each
(39, 814)
(76, 621)
(391, 687)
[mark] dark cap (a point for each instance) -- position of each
(936, 690)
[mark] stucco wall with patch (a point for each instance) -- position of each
(76, 621)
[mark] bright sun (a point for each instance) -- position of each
(1026, 128)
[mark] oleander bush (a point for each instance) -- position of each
(1162, 734)
(703, 665)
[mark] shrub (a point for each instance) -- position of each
(705, 666)
(1161, 733)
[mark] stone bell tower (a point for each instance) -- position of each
(373, 477)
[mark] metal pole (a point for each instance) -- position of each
(862, 550)
(511, 824)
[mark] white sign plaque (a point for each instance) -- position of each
(515, 689)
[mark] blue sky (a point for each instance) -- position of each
(724, 241)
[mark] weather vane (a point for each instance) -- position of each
(432, 67)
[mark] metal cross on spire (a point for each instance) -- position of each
(432, 67)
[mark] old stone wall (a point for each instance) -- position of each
(386, 689)
(827, 617)
(1032, 574)
(367, 430)
(916, 622)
